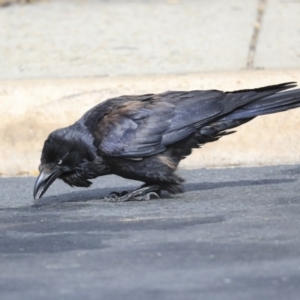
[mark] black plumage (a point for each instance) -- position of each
(145, 137)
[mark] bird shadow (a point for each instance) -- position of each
(100, 194)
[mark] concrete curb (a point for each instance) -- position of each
(31, 109)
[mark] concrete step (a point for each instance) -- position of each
(31, 109)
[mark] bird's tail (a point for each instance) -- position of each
(278, 101)
(268, 105)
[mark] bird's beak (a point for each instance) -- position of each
(44, 180)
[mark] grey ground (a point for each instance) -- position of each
(234, 234)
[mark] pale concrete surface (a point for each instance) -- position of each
(45, 43)
(234, 235)
(41, 106)
(82, 38)
(279, 40)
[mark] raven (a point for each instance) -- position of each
(145, 137)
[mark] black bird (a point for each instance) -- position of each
(145, 137)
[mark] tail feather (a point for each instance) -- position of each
(277, 102)
(236, 102)
(275, 88)
(271, 100)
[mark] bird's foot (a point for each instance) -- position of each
(142, 194)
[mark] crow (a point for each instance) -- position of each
(145, 137)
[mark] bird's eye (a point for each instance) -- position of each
(59, 162)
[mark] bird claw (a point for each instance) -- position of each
(142, 194)
(117, 194)
(145, 197)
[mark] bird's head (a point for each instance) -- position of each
(64, 155)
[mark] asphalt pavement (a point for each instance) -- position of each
(234, 234)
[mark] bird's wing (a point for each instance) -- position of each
(134, 129)
(139, 126)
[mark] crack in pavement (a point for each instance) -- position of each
(261, 8)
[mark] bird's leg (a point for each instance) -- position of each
(140, 194)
